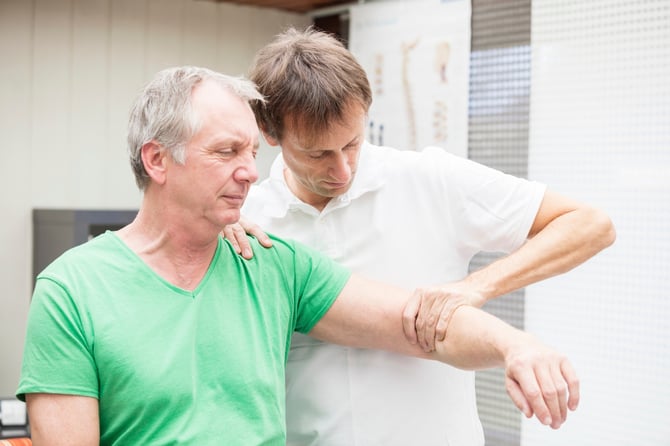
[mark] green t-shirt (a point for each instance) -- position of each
(170, 366)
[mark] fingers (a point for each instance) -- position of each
(237, 237)
(427, 319)
(433, 321)
(446, 314)
(549, 408)
(570, 377)
(236, 234)
(546, 386)
(409, 316)
(441, 327)
(256, 231)
(430, 311)
(517, 396)
(229, 234)
(524, 390)
(561, 392)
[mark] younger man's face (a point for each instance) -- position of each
(323, 167)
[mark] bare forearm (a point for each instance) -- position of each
(563, 244)
(367, 314)
(477, 340)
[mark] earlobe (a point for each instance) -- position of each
(154, 157)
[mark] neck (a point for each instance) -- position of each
(318, 202)
(179, 253)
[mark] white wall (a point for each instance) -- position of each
(69, 70)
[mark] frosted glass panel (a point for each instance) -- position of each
(600, 132)
(498, 137)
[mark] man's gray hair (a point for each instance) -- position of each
(163, 113)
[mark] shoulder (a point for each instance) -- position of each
(91, 264)
(292, 257)
(284, 249)
(432, 167)
(88, 254)
(430, 158)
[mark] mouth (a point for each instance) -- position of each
(235, 198)
(334, 185)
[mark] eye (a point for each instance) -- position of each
(317, 155)
(226, 152)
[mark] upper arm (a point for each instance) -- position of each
(553, 206)
(63, 419)
(593, 224)
(367, 314)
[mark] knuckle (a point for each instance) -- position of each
(533, 394)
(549, 393)
(561, 389)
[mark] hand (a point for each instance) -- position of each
(541, 382)
(236, 234)
(429, 310)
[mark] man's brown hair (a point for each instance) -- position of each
(308, 78)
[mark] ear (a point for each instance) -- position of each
(270, 140)
(154, 158)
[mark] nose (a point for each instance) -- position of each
(341, 169)
(247, 170)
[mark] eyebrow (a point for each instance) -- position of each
(307, 148)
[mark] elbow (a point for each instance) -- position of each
(599, 229)
(606, 233)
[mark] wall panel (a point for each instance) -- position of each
(200, 31)
(54, 156)
(126, 57)
(16, 37)
(89, 99)
(164, 38)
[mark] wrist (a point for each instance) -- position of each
(480, 291)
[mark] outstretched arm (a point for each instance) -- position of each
(565, 234)
(540, 381)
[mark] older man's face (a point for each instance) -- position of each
(220, 164)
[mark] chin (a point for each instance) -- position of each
(339, 191)
(230, 217)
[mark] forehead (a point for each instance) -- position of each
(300, 132)
(219, 110)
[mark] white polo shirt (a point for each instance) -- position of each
(410, 219)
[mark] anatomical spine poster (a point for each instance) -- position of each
(417, 57)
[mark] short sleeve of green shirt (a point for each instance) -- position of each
(318, 282)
